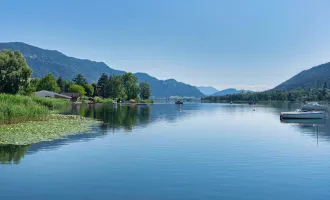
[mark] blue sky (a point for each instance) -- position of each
(254, 44)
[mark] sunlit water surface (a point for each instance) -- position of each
(166, 151)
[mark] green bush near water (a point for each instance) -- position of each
(100, 100)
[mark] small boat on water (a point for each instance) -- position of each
(179, 102)
(314, 106)
(91, 102)
(302, 114)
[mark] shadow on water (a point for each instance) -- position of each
(317, 128)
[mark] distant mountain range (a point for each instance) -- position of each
(311, 78)
(229, 91)
(44, 61)
(207, 90)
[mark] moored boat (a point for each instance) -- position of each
(302, 114)
(314, 106)
(179, 102)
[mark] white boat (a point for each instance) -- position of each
(314, 106)
(303, 114)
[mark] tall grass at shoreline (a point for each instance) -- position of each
(51, 102)
(17, 108)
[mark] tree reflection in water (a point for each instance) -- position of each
(114, 116)
(12, 154)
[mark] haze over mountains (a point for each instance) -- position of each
(314, 77)
(44, 61)
(207, 90)
(211, 91)
(311, 78)
(229, 91)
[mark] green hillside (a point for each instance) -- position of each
(307, 79)
(44, 61)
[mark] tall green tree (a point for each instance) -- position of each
(31, 87)
(145, 90)
(324, 91)
(101, 85)
(14, 72)
(67, 85)
(79, 80)
(77, 89)
(61, 83)
(114, 86)
(34, 82)
(95, 89)
(48, 82)
(130, 86)
(89, 90)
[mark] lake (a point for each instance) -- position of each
(167, 151)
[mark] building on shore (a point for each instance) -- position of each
(49, 94)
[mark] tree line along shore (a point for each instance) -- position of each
(17, 89)
(297, 95)
(18, 103)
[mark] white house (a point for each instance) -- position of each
(49, 94)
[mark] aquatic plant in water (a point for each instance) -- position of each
(53, 127)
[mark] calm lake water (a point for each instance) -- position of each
(164, 151)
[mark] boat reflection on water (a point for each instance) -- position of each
(304, 121)
(309, 126)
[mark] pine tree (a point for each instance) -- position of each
(101, 85)
(61, 83)
(80, 80)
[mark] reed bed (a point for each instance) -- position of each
(52, 102)
(17, 108)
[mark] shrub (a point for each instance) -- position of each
(100, 100)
